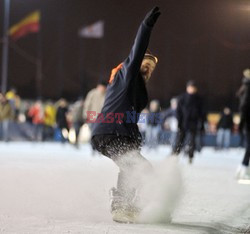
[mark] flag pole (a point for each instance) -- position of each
(39, 63)
(5, 46)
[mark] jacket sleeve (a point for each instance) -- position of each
(132, 64)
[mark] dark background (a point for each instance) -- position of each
(207, 41)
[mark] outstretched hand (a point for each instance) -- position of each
(152, 16)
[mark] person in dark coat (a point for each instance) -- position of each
(191, 117)
(244, 127)
(224, 128)
(115, 132)
(61, 119)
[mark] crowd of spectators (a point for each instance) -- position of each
(39, 120)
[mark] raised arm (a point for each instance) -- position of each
(131, 65)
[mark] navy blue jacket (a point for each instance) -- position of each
(127, 92)
(226, 121)
(190, 112)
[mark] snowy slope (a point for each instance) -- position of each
(54, 188)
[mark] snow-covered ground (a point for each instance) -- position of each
(54, 188)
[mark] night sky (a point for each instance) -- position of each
(207, 41)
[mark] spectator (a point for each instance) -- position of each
(170, 120)
(95, 99)
(36, 114)
(14, 100)
(153, 125)
(6, 115)
(77, 119)
(49, 121)
(224, 127)
(191, 117)
(94, 102)
(61, 120)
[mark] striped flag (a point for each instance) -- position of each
(95, 30)
(30, 24)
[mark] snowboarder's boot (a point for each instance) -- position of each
(123, 208)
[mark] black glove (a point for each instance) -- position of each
(152, 17)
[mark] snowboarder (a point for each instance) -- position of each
(115, 133)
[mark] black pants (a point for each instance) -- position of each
(125, 152)
(185, 138)
(246, 158)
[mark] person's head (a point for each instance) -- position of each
(154, 105)
(191, 87)
(38, 103)
(148, 65)
(174, 103)
(227, 110)
(102, 86)
(13, 90)
(63, 103)
(80, 100)
(246, 73)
